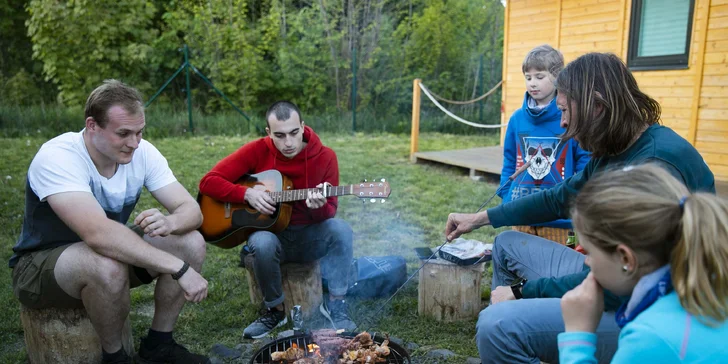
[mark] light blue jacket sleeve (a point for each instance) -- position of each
(510, 149)
(581, 157)
(642, 344)
(577, 347)
(637, 344)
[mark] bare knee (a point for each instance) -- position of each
(194, 248)
(110, 275)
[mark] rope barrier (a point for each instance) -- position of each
(469, 101)
(446, 111)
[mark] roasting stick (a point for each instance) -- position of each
(511, 178)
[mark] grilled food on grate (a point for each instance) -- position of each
(362, 349)
(327, 347)
(291, 354)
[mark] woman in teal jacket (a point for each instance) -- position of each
(650, 239)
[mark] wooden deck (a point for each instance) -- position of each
(485, 160)
(489, 160)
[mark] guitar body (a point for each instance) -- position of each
(227, 225)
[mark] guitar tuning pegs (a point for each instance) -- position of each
(373, 200)
(365, 180)
(383, 201)
(383, 180)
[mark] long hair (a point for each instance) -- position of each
(602, 80)
(641, 208)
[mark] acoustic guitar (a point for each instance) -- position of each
(227, 225)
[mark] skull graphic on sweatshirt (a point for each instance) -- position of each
(541, 152)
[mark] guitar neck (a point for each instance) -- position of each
(298, 195)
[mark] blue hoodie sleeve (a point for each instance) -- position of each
(581, 157)
(577, 347)
(510, 150)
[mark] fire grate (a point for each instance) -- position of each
(397, 354)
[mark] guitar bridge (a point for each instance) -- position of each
(228, 208)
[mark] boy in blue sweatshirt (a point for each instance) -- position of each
(534, 136)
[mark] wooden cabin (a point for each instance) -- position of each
(677, 50)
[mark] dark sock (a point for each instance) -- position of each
(113, 356)
(154, 338)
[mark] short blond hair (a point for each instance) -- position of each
(544, 58)
(651, 212)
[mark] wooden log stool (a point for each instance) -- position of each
(54, 335)
(449, 292)
(301, 285)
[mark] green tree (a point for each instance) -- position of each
(82, 42)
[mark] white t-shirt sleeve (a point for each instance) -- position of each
(56, 170)
(157, 173)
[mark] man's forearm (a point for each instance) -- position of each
(185, 218)
(481, 219)
(120, 243)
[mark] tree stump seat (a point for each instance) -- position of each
(449, 292)
(301, 285)
(60, 336)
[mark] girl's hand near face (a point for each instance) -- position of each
(582, 307)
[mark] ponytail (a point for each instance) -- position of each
(699, 261)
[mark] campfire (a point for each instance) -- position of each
(328, 347)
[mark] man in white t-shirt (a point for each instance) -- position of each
(75, 250)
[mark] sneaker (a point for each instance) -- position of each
(267, 322)
(170, 352)
(121, 359)
(337, 311)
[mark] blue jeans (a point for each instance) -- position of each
(525, 331)
(331, 240)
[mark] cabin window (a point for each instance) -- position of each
(659, 36)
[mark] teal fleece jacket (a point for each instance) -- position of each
(658, 144)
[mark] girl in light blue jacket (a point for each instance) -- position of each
(648, 238)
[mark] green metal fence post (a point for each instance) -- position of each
(165, 84)
(353, 92)
(187, 66)
(480, 89)
(189, 89)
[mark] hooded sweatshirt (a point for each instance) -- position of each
(534, 135)
(313, 165)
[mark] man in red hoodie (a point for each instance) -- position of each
(313, 233)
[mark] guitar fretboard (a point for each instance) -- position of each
(298, 195)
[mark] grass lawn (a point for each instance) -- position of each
(415, 215)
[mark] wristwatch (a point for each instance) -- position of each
(517, 288)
